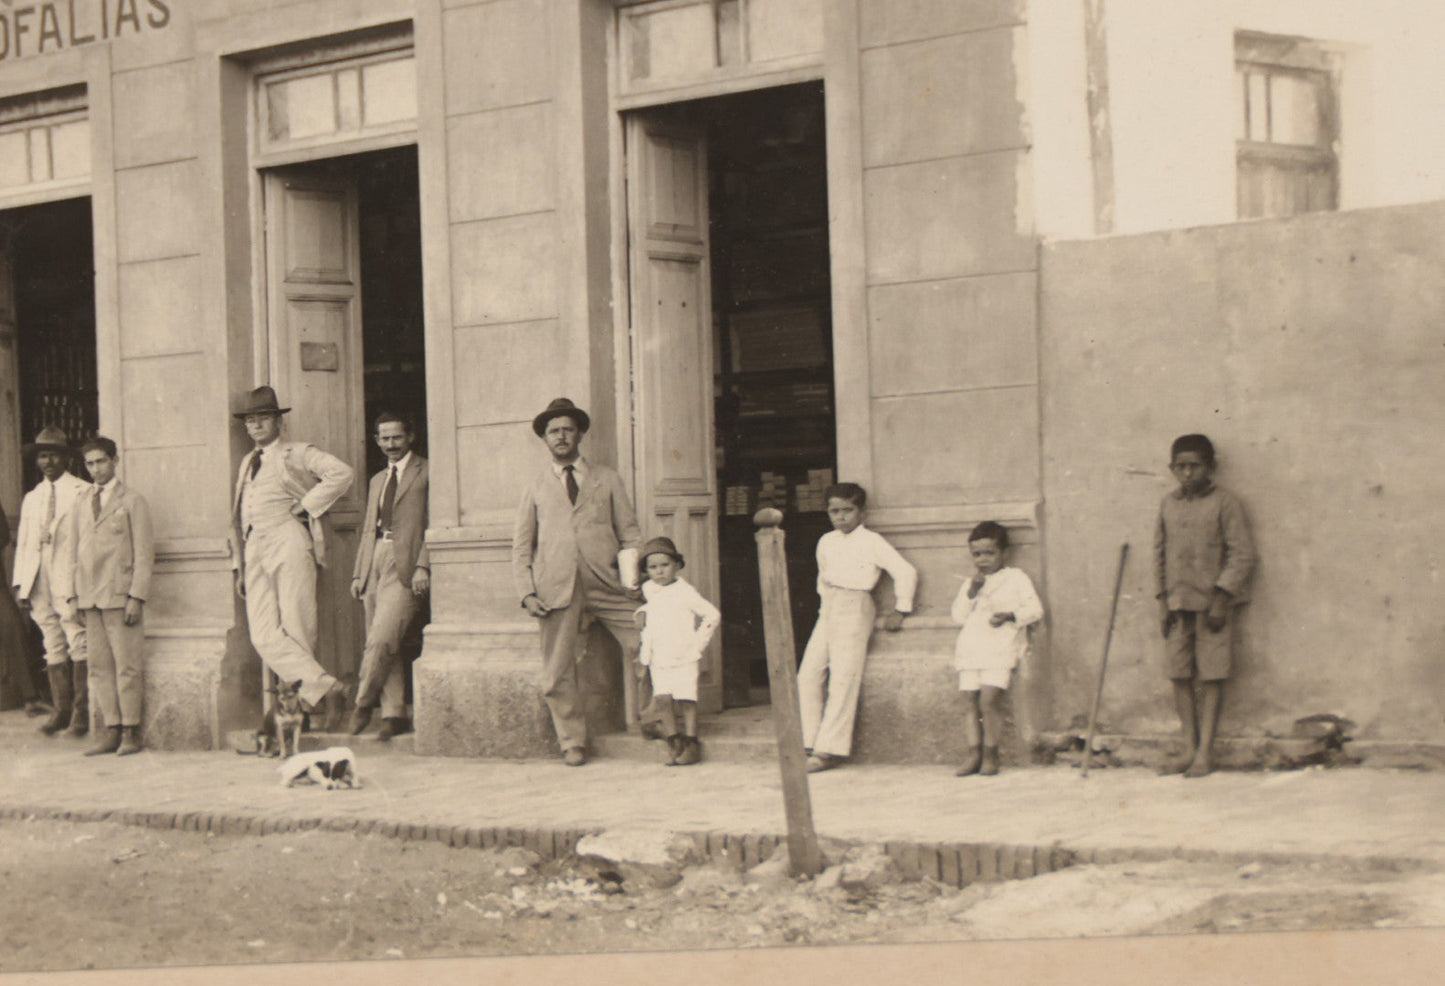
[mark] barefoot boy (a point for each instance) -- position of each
(1204, 558)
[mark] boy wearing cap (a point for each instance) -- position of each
(282, 490)
(574, 557)
(678, 623)
(43, 541)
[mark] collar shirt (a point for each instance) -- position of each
(1202, 542)
(855, 560)
(105, 493)
(400, 466)
(680, 623)
(579, 470)
(265, 503)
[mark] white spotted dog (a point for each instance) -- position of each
(331, 768)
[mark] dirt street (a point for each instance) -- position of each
(109, 896)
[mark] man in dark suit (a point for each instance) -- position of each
(392, 573)
(574, 556)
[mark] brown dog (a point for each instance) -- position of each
(280, 732)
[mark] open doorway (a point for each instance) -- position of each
(757, 264)
(54, 290)
(47, 377)
(346, 338)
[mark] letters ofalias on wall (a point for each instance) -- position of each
(28, 29)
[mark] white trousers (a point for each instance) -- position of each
(61, 627)
(832, 670)
(281, 606)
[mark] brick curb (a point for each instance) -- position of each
(954, 864)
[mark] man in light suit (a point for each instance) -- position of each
(282, 491)
(574, 557)
(107, 578)
(44, 537)
(392, 573)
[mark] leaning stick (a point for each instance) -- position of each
(1104, 662)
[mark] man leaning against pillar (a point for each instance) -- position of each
(574, 556)
(282, 490)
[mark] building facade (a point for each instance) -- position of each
(765, 243)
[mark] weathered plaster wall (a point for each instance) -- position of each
(951, 274)
(1174, 104)
(1310, 351)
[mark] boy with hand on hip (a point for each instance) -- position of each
(1204, 557)
(678, 624)
(996, 608)
(850, 559)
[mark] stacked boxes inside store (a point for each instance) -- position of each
(772, 491)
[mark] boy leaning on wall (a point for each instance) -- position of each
(1204, 557)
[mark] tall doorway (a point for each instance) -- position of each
(47, 376)
(345, 337)
(732, 351)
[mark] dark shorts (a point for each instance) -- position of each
(1192, 651)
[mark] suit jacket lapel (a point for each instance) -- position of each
(409, 478)
(110, 507)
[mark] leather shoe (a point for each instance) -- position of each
(820, 762)
(360, 719)
(574, 756)
(392, 726)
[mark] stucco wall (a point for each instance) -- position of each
(1174, 104)
(1310, 351)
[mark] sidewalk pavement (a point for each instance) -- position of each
(1350, 815)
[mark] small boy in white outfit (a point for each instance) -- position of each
(850, 559)
(996, 608)
(678, 624)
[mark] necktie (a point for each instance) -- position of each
(571, 478)
(388, 501)
(255, 465)
(95, 502)
(49, 515)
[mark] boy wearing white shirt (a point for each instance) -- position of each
(678, 624)
(996, 607)
(850, 559)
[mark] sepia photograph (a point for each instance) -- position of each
(817, 491)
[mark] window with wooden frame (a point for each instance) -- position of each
(1288, 146)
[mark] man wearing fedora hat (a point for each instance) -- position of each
(282, 490)
(574, 557)
(42, 544)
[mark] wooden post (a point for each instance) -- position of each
(803, 855)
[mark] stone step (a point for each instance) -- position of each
(244, 741)
(723, 748)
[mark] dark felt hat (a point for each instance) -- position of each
(660, 546)
(50, 439)
(262, 400)
(561, 407)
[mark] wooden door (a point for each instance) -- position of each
(672, 354)
(313, 280)
(10, 438)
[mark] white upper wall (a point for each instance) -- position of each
(1174, 105)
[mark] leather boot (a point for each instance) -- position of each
(107, 741)
(130, 741)
(80, 711)
(62, 697)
